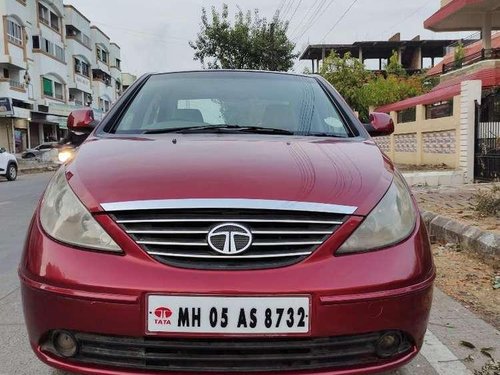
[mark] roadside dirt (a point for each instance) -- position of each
(457, 203)
(469, 280)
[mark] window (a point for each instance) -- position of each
(43, 14)
(407, 115)
(102, 55)
(118, 63)
(54, 21)
(103, 105)
(59, 53)
(53, 89)
(99, 75)
(48, 47)
(78, 66)
(58, 91)
(294, 104)
(81, 67)
(47, 17)
(14, 32)
(47, 87)
(439, 109)
(85, 40)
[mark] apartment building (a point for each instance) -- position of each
(52, 61)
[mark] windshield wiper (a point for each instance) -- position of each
(220, 128)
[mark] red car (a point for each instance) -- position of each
(227, 222)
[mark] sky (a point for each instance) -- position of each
(154, 34)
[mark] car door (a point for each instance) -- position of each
(4, 158)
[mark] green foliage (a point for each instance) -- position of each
(362, 89)
(459, 55)
(348, 75)
(383, 90)
(250, 42)
(394, 67)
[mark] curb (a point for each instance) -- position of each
(484, 243)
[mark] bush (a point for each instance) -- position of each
(487, 202)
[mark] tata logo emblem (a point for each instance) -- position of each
(229, 238)
(162, 316)
(163, 312)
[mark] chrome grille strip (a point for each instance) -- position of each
(298, 232)
(215, 203)
(172, 243)
(139, 221)
(215, 257)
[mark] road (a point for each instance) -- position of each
(449, 323)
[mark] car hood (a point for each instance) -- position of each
(307, 169)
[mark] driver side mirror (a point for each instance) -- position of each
(380, 124)
(81, 120)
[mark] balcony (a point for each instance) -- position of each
(484, 54)
(16, 85)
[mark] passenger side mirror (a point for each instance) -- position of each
(82, 120)
(380, 124)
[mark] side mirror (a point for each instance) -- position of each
(380, 124)
(2, 150)
(81, 120)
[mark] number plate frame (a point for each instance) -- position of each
(234, 304)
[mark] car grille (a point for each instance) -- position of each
(236, 355)
(179, 236)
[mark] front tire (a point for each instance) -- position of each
(11, 172)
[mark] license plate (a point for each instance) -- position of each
(193, 314)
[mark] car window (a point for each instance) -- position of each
(45, 146)
(294, 103)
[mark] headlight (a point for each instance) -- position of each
(66, 219)
(65, 155)
(391, 221)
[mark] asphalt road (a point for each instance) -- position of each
(442, 354)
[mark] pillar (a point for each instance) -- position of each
(470, 93)
(486, 31)
(360, 54)
(312, 65)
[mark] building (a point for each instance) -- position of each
(52, 60)
(458, 122)
(127, 80)
(413, 54)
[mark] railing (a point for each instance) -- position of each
(484, 54)
(82, 39)
(16, 84)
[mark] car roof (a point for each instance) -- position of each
(242, 71)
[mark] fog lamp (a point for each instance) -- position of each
(64, 343)
(388, 344)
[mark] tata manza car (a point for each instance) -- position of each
(228, 222)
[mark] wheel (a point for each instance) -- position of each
(11, 172)
(29, 156)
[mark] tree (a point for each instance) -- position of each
(394, 67)
(250, 42)
(348, 75)
(363, 89)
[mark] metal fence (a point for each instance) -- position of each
(487, 145)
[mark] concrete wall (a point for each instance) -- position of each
(445, 140)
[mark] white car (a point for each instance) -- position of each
(8, 165)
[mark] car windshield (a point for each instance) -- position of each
(231, 102)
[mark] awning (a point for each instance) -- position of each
(464, 15)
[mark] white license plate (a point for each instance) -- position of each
(184, 314)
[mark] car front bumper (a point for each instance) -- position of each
(103, 294)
